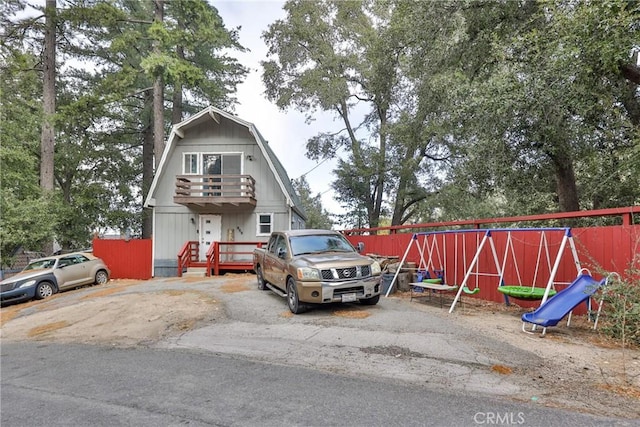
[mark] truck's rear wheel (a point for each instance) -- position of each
(262, 284)
(292, 298)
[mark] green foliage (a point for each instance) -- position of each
(343, 58)
(317, 216)
(105, 52)
(520, 107)
(451, 109)
(543, 119)
(26, 222)
(621, 308)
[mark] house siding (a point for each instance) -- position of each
(173, 225)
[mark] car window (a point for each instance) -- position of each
(280, 244)
(66, 261)
(41, 263)
(271, 247)
(79, 259)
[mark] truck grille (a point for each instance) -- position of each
(348, 273)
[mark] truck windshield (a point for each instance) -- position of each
(320, 243)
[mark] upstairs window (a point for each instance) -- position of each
(190, 166)
(212, 163)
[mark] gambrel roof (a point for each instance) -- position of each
(215, 114)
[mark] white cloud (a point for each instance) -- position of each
(286, 132)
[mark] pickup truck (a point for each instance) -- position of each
(316, 267)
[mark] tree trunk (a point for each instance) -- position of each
(158, 119)
(356, 150)
(631, 102)
(147, 164)
(158, 94)
(566, 188)
(47, 137)
(631, 72)
(374, 220)
(176, 112)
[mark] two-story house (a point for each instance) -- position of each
(218, 181)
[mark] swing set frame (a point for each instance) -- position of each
(431, 249)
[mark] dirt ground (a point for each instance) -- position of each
(108, 315)
(580, 364)
(583, 369)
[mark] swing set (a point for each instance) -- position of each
(436, 261)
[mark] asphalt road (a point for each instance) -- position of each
(83, 385)
(254, 364)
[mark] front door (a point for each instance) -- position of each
(210, 231)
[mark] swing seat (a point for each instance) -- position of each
(437, 281)
(525, 292)
(468, 291)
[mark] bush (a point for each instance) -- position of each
(622, 306)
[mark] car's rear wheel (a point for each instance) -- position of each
(370, 301)
(292, 298)
(45, 290)
(262, 284)
(101, 277)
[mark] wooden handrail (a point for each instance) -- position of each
(214, 254)
(211, 257)
(215, 186)
(187, 254)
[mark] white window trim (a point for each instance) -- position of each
(184, 156)
(258, 215)
(212, 153)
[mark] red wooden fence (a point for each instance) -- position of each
(127, 259)
(600, 249)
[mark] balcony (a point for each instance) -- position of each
(215, 193)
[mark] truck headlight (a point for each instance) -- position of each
(307, 273)
(375, 268)
(26, 284)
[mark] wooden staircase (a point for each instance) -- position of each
(195, 272)
(188, 258)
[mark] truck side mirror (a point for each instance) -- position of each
(281, 252)
(360, 246)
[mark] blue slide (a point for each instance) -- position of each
(558, 306)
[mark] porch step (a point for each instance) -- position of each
(195, 272)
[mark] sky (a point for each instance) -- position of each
(286, 132)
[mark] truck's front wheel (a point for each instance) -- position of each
(370, 301)
(262, 285)
(292, 298)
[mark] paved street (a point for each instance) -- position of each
(78, 385)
